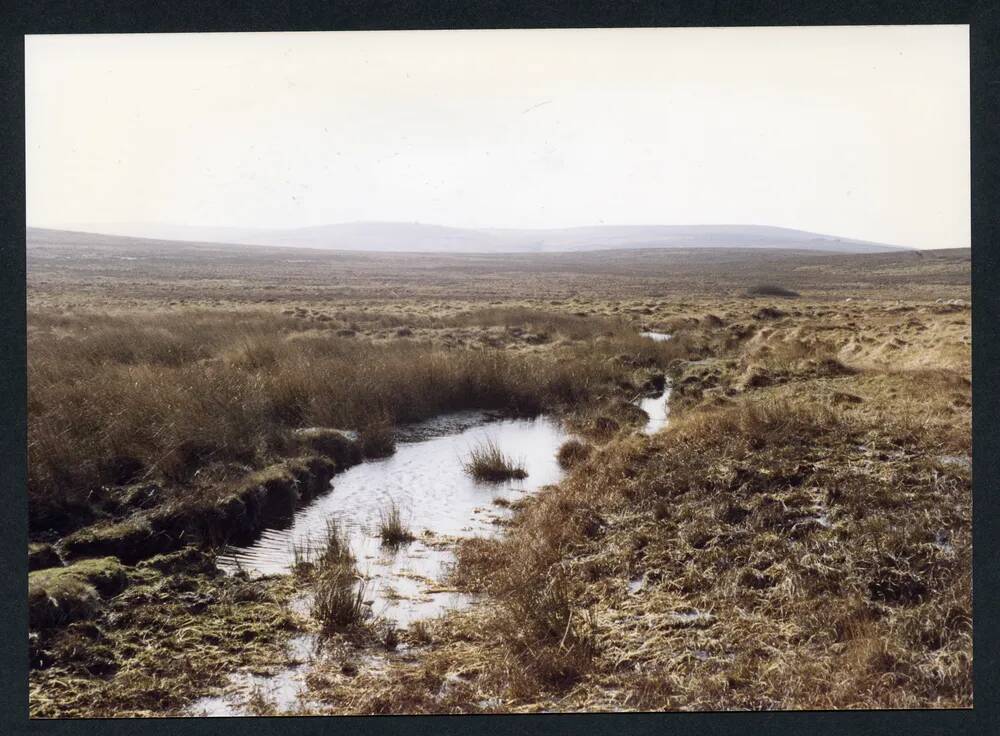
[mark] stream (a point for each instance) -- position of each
(439, 503)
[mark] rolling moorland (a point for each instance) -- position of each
(797, 536)
(419, 237)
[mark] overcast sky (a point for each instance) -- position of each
(858, 132)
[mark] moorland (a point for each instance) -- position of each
(797, 536)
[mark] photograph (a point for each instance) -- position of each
(406, 372)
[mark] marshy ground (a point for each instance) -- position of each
(798, 536)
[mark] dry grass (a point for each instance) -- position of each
(573, 452)
(487, 462)
(377, 439)
(804, 543)
(117, 399)
(799, 537)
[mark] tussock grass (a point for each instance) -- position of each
(338, 591)
(377, 439)
(744, 557)
(391, 528)
(764, 507)
(487, 462)
(129, 397)
(572, 453)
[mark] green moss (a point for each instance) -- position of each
(165, 641)
(189, 559)
(42, 555)
(59, 595)
(130, 540)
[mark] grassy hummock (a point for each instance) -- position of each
(487, 462)
(59, 595)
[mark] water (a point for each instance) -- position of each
(658, 409)
(284, 690)
(438, 500)
(439, 503)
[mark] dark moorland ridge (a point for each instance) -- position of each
(417, 237)
(60, 262)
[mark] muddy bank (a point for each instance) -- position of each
(162, 633)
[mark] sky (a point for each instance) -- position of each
(861, 132)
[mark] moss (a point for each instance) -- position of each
(189, 559)
(238, 514)
(274, 490)
(313, 473)
(42, 555)
(269, 495)
(63, 594)
(131, 540)
(165, 641)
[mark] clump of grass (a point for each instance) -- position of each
(392, 529)
(303, 554)
(572, 453)
(420, 632)
(487, 462)
(338, 593)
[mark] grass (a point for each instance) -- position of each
(123, 662)
(572, 453)
(338, 591)
(487, 462)
(143, 397)
(392, 529)
(739, 559)
(377, 439)
(743, 557)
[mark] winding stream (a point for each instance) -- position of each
(439, 503)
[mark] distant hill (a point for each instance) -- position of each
(416, 237)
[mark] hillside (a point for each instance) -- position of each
(417, 237)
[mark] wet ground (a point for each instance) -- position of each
(439, 503)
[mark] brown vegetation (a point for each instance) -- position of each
(391, 527)
(338, 591)
(798, 537)
(487, 462)
(572, 453)
(801, 542)
(118, 400)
